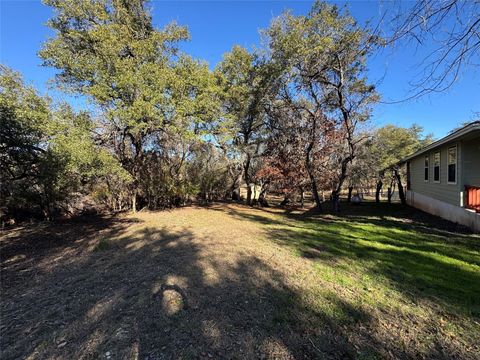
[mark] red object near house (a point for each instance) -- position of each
(473, 197)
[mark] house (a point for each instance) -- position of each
(443, 178)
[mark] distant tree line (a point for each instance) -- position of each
(291, 117)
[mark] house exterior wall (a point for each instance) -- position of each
(442, 198)
(442, 190)
(447, 211)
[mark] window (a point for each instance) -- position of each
(452, 164)
(436, 167)
(427, 168)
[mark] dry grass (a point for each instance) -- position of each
(230, 281)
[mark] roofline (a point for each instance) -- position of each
(475, 125)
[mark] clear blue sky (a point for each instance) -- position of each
(215, 26)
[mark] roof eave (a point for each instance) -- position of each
(450, 137)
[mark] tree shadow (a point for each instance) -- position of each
(421, 255)
(154, 293)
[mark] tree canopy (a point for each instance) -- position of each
(291, 117)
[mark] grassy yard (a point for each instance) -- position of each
(229, 281)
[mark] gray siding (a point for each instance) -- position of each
(471, 161)
(443, 191)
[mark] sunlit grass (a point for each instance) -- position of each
(393, 265)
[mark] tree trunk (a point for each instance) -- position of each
(313, 183)
(401, 192)
(377, 191)
(263, 194)
(249, 194)
(341, 180)
(262, 199)
(336, 200)
(246, 177)
(350, 190)
(235, 189)
(236, 194)
(316, 197)
(134, 200)
(389, 195)
(136, 165)
(302, 197)
(309, 165)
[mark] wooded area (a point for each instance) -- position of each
(292, 117)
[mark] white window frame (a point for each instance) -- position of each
(426, 159)
(456, 164)
(439, 167)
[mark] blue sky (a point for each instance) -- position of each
(215, 26)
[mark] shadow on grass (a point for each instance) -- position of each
(422, 256)
(152, 293)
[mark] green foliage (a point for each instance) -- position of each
(47, 154)
(151, 93)
(197, 97)
(391, 143)
(236, 75)
(380, 152)
(324, 55)
(247, 83)
(23, 126)
(246, 80)
(23, 130)
(111, 52)
(72, 138)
